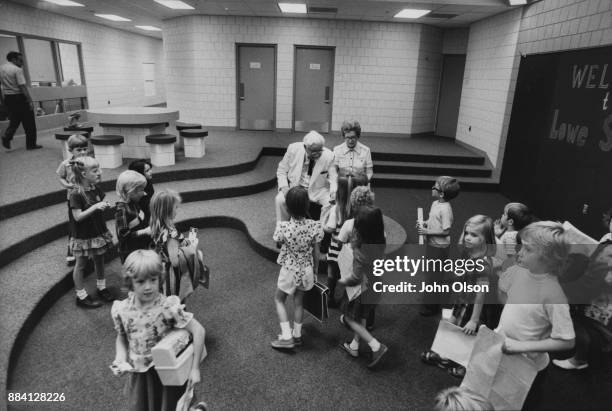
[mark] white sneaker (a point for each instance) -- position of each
(570, 365)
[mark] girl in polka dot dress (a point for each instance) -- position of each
(299, 260)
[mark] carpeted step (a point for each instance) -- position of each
(426, 181)
(226, 153)
(28, 231)
(429, 168)
(463, 158)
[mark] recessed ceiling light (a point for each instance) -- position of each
(68, 3)
(149, 28)
(292, 8)
(517, 2)
(411, 14)
(112, 17)
(175, 4)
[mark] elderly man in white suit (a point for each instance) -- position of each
(310, 165)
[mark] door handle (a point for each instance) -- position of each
(241, 91)
(326, 95)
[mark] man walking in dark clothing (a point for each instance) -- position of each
(18, 101)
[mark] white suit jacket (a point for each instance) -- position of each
(324, 176)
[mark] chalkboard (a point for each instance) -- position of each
(558, 155)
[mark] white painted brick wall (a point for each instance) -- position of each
(494, 49)
(386, 75)
(112, 58)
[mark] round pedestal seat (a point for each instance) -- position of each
(106, 140)
(161, 138)
(180, 126)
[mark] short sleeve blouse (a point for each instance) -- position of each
(145, 328)
(94, 225)
(298, 237)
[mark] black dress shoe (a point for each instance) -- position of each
(88, 302)
(6, 143)
(34, 147)
(106, 295)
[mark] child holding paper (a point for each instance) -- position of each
(536, 318)
(469, 310)
(437, 231)
(593, 320)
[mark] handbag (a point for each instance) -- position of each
(192, 270)
(315, 301)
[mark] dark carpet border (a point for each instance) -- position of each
(45, 200)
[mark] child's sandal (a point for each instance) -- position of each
(457, 371)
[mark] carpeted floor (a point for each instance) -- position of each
(70, 350)
(242, 371)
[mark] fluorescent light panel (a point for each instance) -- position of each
(68, 3)
(112, 17)
(411, 14)
(292, 8)
(517, 2)
(149, 28)
(174, 4)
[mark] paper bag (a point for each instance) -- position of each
(452, 343)
(185, 401)
(345, 264)
(580, 243)
(504, 379)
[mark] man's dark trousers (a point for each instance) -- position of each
(20, 112)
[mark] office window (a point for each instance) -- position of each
(53, 69)
(69, 64)
(40, 62)
(8, 43)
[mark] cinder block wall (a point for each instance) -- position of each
(112, 58)
(493, 57)
(386, 74)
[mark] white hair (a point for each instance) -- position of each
(314, 138)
